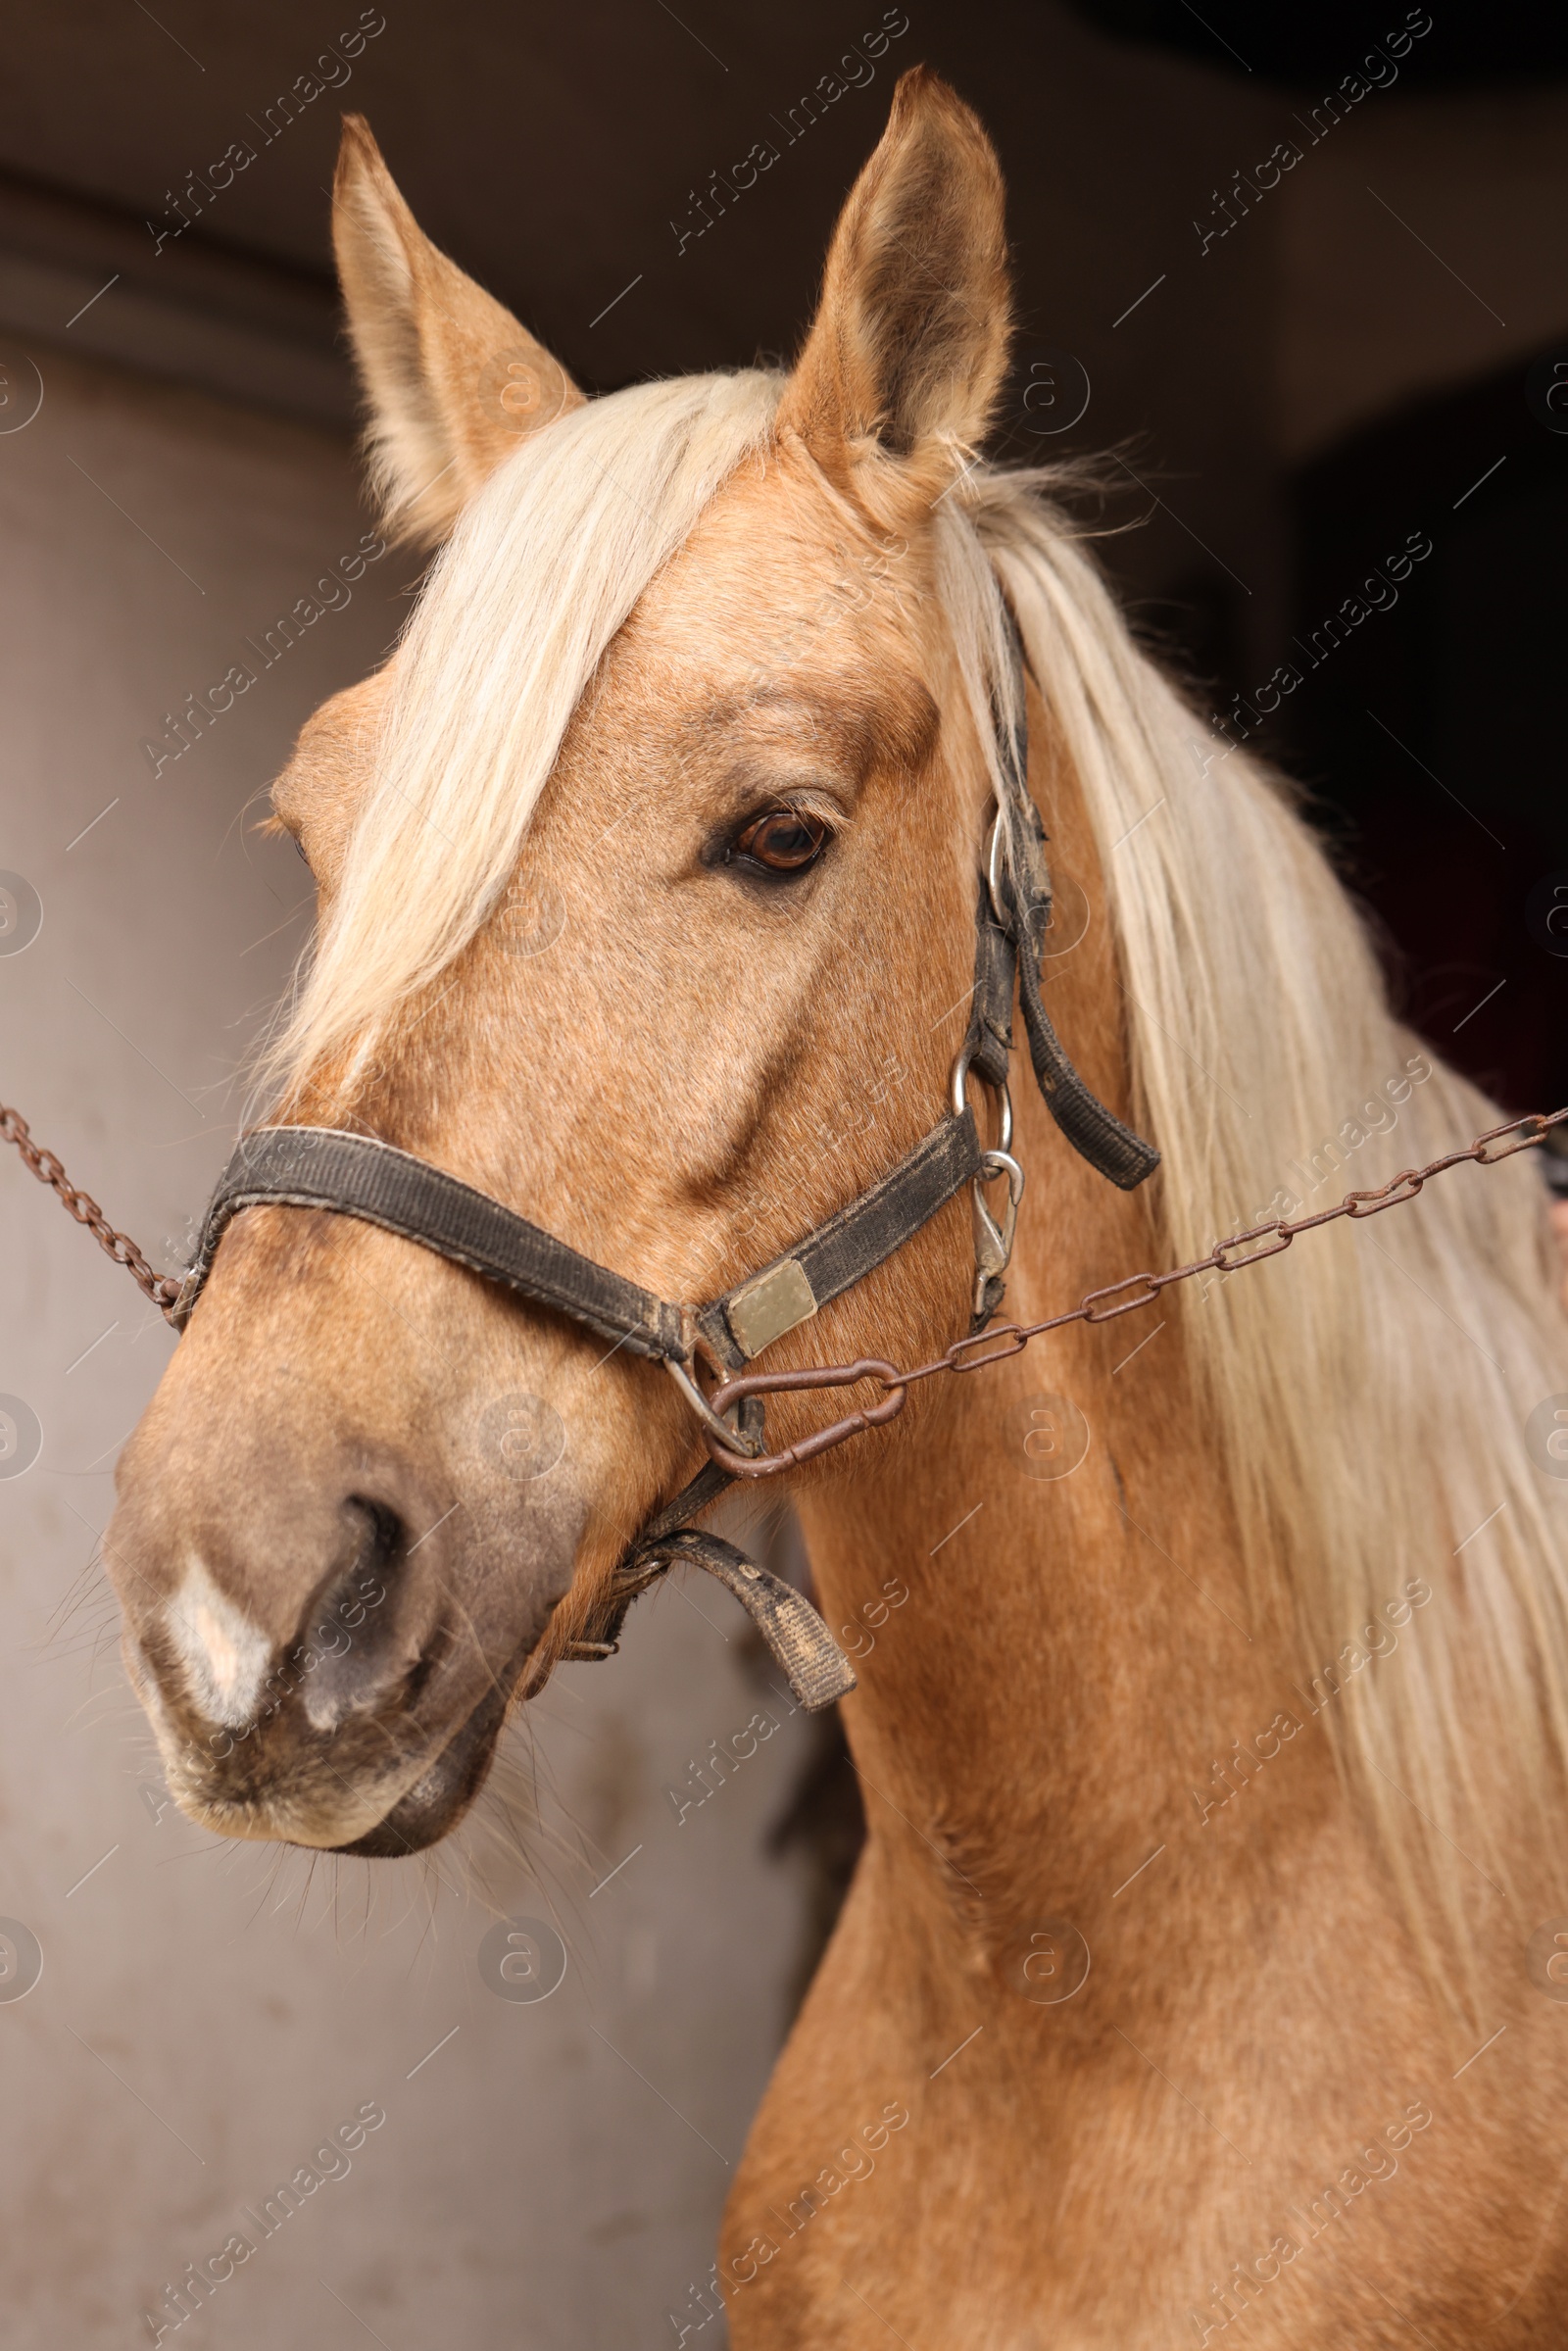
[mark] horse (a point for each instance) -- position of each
(1201, 1968)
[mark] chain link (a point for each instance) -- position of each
(160, 1288)
(1005, 1338)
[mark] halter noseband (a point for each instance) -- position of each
(356, 1175)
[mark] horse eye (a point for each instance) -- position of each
(784, 841)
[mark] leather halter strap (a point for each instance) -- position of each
(356, 1175)
(1013, 919)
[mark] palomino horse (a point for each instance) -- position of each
(1193, 1974)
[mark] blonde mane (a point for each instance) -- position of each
(544, 567)
(1370, 1389)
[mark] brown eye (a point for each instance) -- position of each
(784, 841)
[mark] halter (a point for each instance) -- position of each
(356, 1175)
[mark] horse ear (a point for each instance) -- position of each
(453, 380)
(909, 342)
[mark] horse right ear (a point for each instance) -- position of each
(909, 347)
(451, 378)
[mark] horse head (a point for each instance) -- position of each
(646, 870)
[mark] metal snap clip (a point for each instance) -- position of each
(992, 1240)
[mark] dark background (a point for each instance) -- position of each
(556, 153)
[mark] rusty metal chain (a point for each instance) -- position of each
(992, 1345)
(1005, 1338)
(160, 1288)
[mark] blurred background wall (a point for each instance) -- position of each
(1297, 378)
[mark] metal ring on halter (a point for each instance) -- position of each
(727, 1434)
(960, 1070)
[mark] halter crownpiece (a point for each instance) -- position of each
(356, 1175)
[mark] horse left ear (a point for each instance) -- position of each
(909, 343)
(451, 378)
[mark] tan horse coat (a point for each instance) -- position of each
(1088, 1739)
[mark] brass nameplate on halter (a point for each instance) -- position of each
(761, 1311)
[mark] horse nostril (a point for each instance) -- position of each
(387, 1536)
(355, 1638)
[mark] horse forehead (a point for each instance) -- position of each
(784, 614)
(775, 540)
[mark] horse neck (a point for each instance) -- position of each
(1041, 1693)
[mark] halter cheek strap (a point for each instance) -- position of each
(356, 1175)
(1011, 942)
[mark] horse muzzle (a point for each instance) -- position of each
(327, 1643)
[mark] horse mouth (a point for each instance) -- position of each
(438, 1799)
(442, 1794)
(275, 1805)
